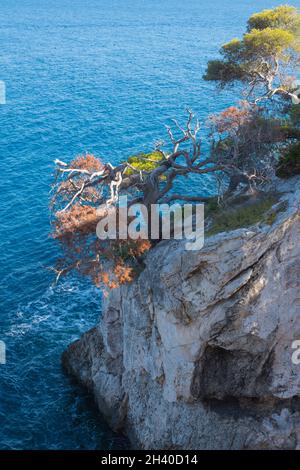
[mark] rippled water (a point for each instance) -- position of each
(102, 76)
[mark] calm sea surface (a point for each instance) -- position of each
(100, 76)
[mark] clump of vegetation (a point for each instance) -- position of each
(289, 162)
(294, 115)
(212, 206)
(246, 136)
(143, 162)
(261, 59)
(254, 210)
(283, 16)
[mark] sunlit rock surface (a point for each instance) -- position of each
(197, 352)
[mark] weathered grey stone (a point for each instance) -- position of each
(196, 353)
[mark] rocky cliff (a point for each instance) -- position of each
(197, 352)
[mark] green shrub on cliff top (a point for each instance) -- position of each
(253, 211)
(289, 163)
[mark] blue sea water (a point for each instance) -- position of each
(100, 76)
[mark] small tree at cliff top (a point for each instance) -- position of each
(248, 137)
(265, 59)
(87, 189)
